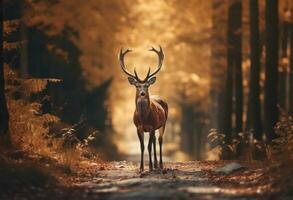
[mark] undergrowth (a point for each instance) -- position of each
(244, 146)
(37, 132)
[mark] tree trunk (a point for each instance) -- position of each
(282, 84)
(24, 48)
(227, 120)
(271, 80)
(187, 129)
(234, 68)
(291, 71)
(283, 75)
(284, 39)
(237, 7)
(254, 114)
(218, 63)
(4, 117)
(227, 124)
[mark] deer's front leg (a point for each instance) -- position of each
(151, 140)
(155, 152)
(141, 140)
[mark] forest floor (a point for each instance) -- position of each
(178, 180)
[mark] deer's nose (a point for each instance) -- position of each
(142, 94)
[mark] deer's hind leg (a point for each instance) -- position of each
(161, 131)
(151, 140)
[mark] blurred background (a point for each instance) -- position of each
(63, 79)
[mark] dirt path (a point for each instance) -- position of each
(122, 181)
(189, 180)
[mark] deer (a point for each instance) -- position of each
(151, 112)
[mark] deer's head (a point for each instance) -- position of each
(142, 85)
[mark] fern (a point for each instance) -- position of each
(32, 86)
(27, 87)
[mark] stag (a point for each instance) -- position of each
(150, 111)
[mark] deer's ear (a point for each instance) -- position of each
(152, 80)
(132, 80)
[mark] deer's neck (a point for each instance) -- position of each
(142, 107)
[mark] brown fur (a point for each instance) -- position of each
(154, 117)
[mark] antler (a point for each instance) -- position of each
(144, 78)
(149, 74)
(122, 65)
(161, 58)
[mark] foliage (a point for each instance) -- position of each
(30, 126)
(49, 52)
(70, 44)
(86, 25)
(27, 87)
(243, 146)
(37, 85)
(59, 42)
(70, 134)
(217, 140)
(10, 26)
(10, 29)
(282, 147)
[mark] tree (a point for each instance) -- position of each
(227, 124)
(237, 12)
(3, 107)
(283, 83)
(56, 47)
(285, 30)
(4, 116)
(234, 72)
(271, 80)
(218, 63)
(291, 69)
(254, 114)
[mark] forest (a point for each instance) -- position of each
(71, 100)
